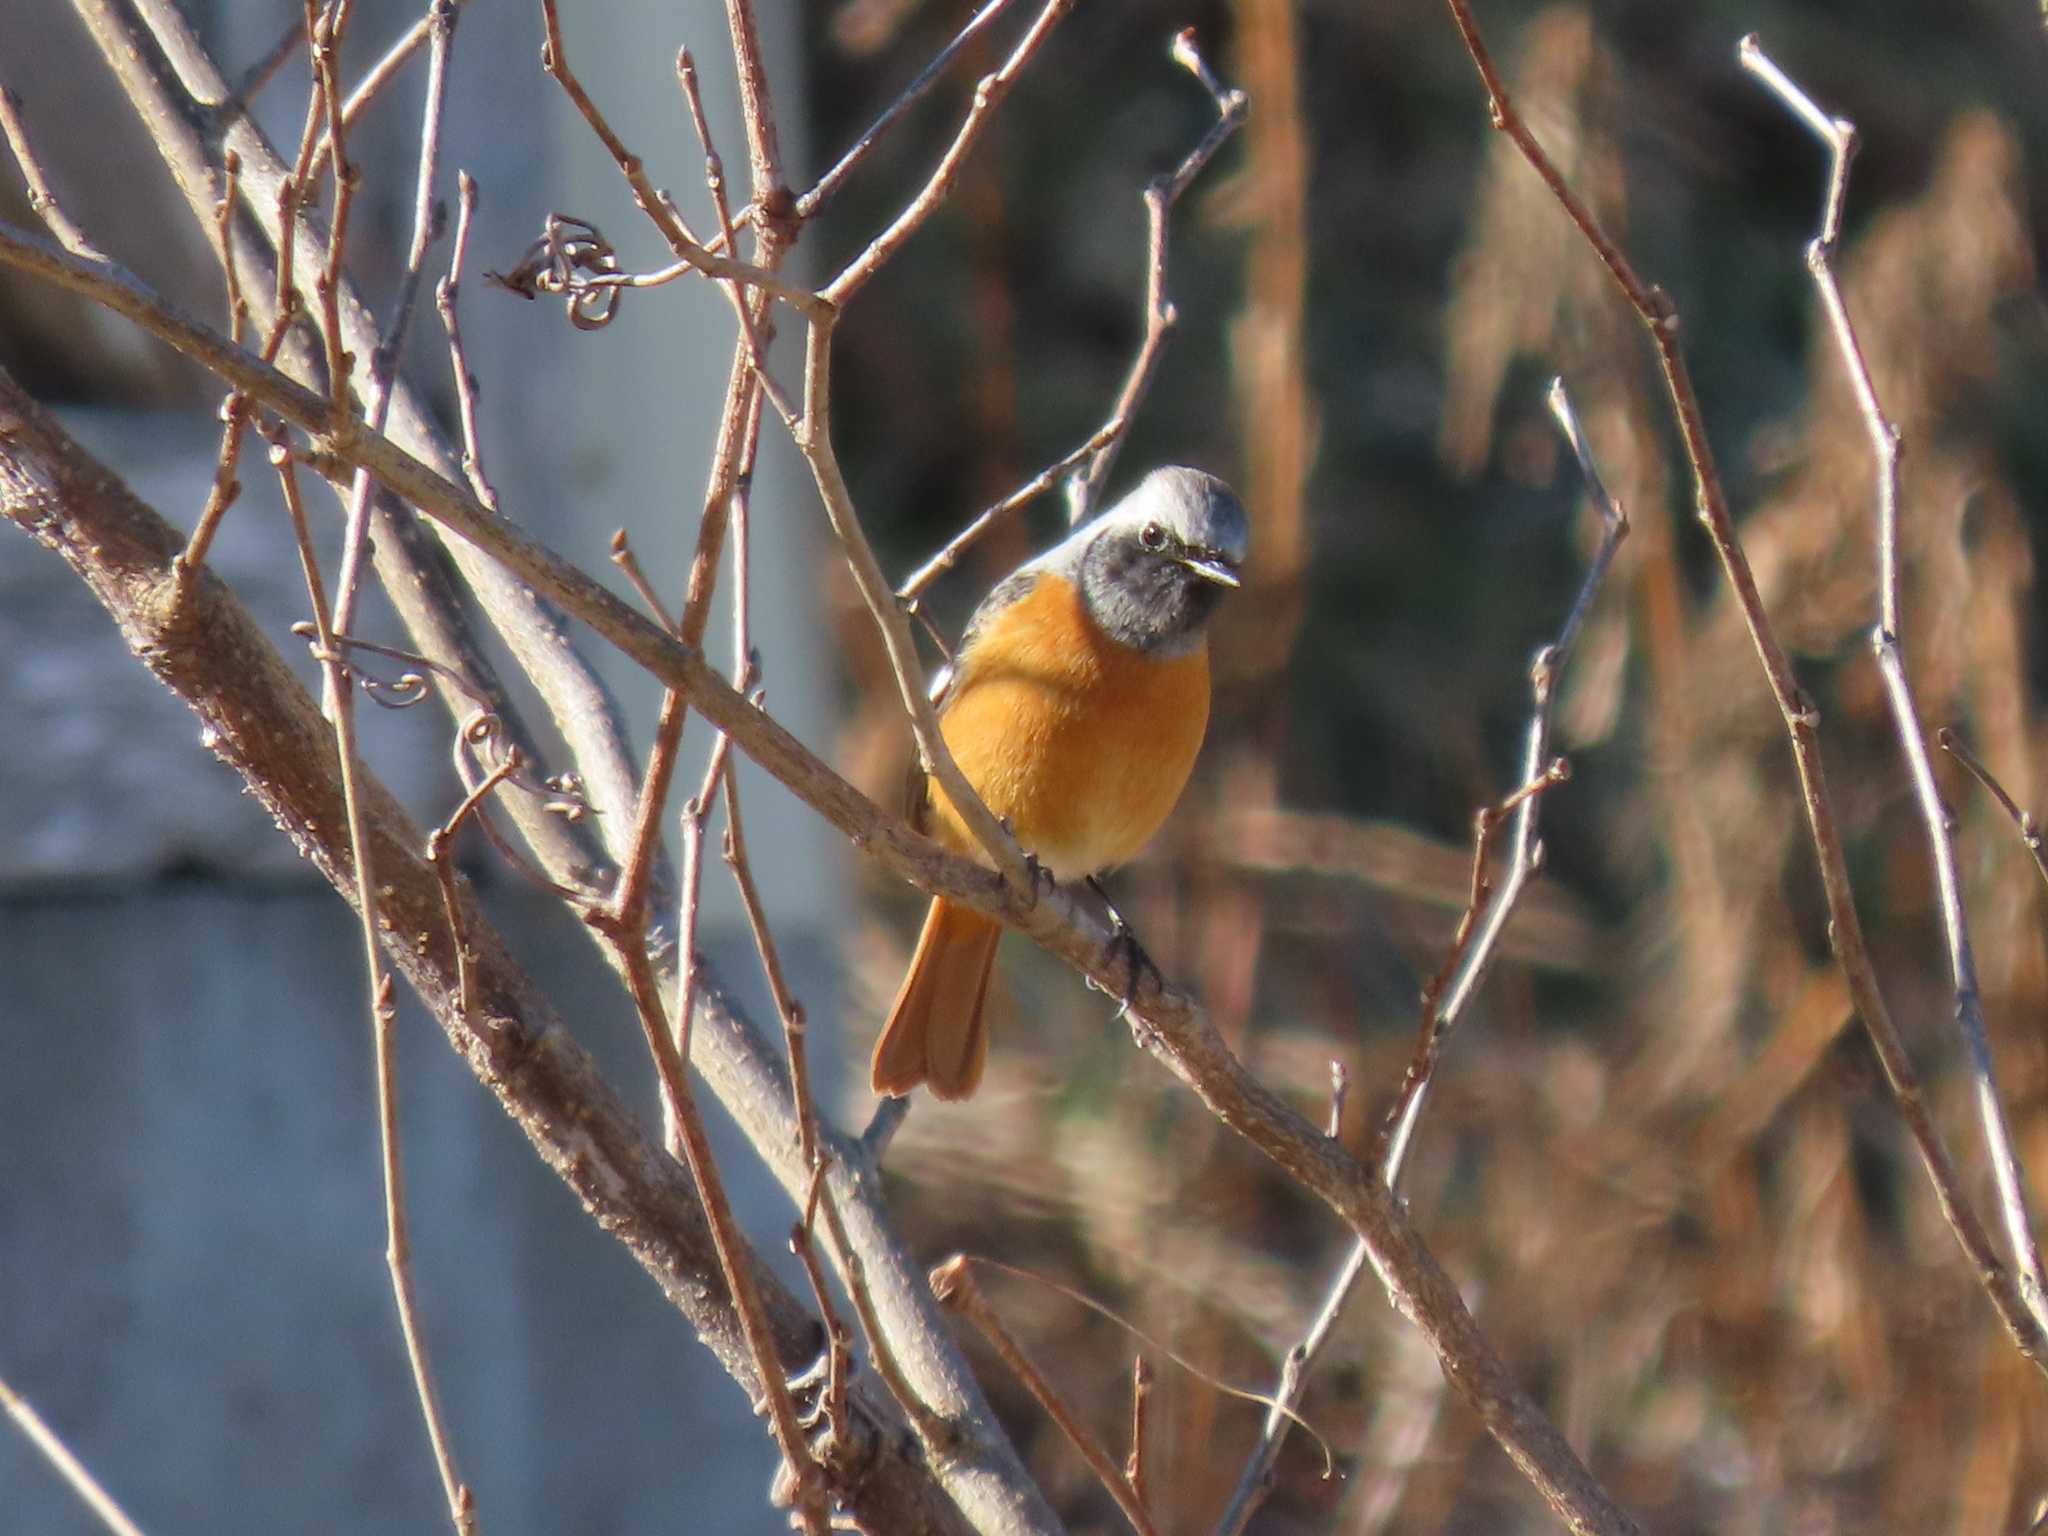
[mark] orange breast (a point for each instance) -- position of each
(1081, 743)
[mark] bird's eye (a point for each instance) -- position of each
(1152, 536)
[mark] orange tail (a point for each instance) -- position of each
(935, 1032)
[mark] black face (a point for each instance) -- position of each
(1137, 588)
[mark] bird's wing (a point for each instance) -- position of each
(950, 679)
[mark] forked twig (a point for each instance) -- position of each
(386, 69)
(1471, 954)
(2008, 1175)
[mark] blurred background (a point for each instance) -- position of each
(1660, 1159)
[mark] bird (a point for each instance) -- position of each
(1075, 707)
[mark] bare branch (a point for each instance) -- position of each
(1887, 641)
(398, 1250)
(1160, 196)
(2024, 821)
(1852, 951)
(445, 295)
(68, 1466)
(263, 723)
(41, 199)
(829, 183)
(989, 92)
(182, 99)
(1471, 953)
(386, 69)
(659, 210)
(955, 1287)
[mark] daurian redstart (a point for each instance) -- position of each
(1075, 708)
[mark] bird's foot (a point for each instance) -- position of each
(1042, 882)
(1124, 941)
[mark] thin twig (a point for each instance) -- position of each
(398, 1248)
(445, 295)
(234, 410)
(440, 854)
(61, 1457)
(814, 442)
(2029, 828)
(629, 567)
(341, 363)
(386, 69)
(838, 1365)
(1888, 643)
(658, 209)
(41, 199)
(714, 182)
(832, 180)
(1471, 954)
(696, 814)
(1659, 316)
(913, 588)
(989, 92)
(956, 1290)
(1160, 196)
(1141, 1397)
(732, 1258)
(426, 222)
(787, 1008)
(326, 40)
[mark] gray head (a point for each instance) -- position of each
(1153, 567)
